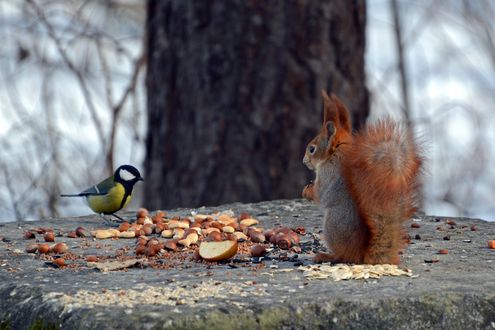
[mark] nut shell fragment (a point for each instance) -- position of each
(105, 233)
(249, 222)
(127, 234)
(217, 251)
(191, 238)
(228, 229)
(167, 233)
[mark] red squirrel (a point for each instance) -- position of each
(366, 183)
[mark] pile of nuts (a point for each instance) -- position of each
(187, 232)
(158, 234)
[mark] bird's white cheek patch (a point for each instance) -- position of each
(126, 175)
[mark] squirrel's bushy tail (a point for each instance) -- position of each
(382, 171)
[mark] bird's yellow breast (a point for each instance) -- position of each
(109, 203)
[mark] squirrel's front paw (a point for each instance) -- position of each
(323, 257)
(308, 192)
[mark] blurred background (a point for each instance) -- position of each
(214, 101)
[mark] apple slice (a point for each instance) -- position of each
(217, 251)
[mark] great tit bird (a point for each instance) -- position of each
(113, 193)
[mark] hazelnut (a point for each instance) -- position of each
(294, 238)
(196, 256)
(43, 248)
(258, 250)
(230, 237)
(150, 251)
(415, 225)
(159, 228)
(153, 241)
(142, 213)
(60, 248)
(256, 237)
(269, 233)
(140, 249)
(450, 222)
(217, 225)
(284, 230)
(91, 258)
(72, 234)
(49, 236)
(140, 221)
(157, 247)
(40, 230)
(29, 235)
(189, 231)
(60, 262)
(32, 248)
(141, 240)
(283, 241)
(443, 251)
(214, 236)
(81, 232)
(244, 215)
(124, 226)
(171, 245)
(147, 230)
(156, 219)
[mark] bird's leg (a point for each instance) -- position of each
(110, 221)
(115, 215)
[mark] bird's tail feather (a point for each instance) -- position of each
(70, 195)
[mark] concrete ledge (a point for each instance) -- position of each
(456, 292)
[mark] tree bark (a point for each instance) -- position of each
(234, 94)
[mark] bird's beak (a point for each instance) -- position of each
(140, 179)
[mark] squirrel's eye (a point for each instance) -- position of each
(312, 149)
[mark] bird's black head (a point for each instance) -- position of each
(127, 175)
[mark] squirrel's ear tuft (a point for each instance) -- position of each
(343, 113)
(325, 96)
(329, 109)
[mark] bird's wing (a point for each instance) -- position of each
(101, 188)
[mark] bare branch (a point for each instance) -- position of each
(80, 78)
(406, 109)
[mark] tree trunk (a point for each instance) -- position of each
(234, 94)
